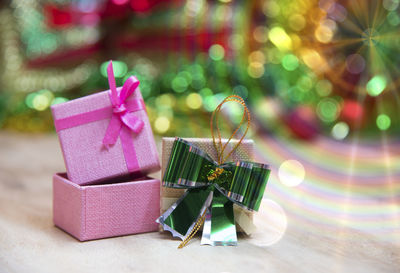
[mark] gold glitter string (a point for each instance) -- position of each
(221, 148)
(195, 229)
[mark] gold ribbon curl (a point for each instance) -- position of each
(221, 148)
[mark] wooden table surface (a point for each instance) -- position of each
(284, 242)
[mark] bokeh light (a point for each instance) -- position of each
(194, 101)
(261, 34)
(324, 34)
(40, 102)
(271, 225)
(179, 84)
(162, 124)
(376, 85)
(323, 87)
(290, 62)
(355, 63)
(318, 53)
(256, 70)
(216, 52)
(340, 130)
(383, 122)
(58, 100)
(280, 39)
(291, 173)
(328, 110)
(297, 21)
(29, 100)
(313, 59)
(120, 69)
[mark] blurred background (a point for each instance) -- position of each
(321, 79)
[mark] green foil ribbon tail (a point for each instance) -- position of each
(219, 227)
(180, 217)
(211, 189)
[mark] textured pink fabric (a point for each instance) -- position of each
(108, 210)
(86, 159)
(68, 205)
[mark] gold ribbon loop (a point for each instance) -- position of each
(221, 148)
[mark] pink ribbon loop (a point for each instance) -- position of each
(121, 114)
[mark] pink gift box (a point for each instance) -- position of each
(87, 160)
(107, 210)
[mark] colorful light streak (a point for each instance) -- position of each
(349, 188)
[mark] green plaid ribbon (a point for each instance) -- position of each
(211, 189)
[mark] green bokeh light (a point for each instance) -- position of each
(235, 111)
(59, 100)
(305, 83)
(210, 103)
(216, 52)
(47, 93)
(40, 102)
(323, 88)
(206, 92)
(376, 85)
(196, 69)
(29, 100)
(290, 62)
(383, 122)
(120, 69)
(179, 84)
(198, 80)
(186, 75)
(327, 110)
(296, 94)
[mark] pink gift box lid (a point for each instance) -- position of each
(106, 210)
(87, 160)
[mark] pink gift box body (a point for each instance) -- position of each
(86, 159)
(106, 210)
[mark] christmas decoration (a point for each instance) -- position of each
(212, 187)
(244, 152)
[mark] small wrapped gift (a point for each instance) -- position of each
(244, 152)
(106, 210)
(106, 135)
(213, 185)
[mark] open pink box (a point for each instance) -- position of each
(81, 125)
(106, 210)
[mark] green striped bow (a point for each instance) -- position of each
(211, 191)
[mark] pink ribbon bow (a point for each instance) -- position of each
(122, 115)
